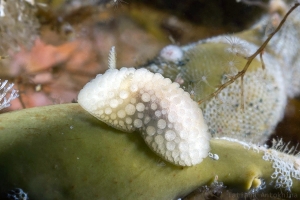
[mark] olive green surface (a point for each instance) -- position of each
(62, 152)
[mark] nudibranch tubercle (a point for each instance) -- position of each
(170, 122)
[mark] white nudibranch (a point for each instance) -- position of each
(170, 122)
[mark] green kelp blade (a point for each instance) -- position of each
(62, 152)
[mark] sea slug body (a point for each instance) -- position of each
(170, 122)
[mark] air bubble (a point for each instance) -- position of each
(149, 139)
(128, 120)
(130, 109)
(153, 106)
(161, 124)
(108, 111)
(140, 107)
(171, 146)
(159, 139)
(183, 146)
(150, 130)
(123, 94)
(172, 117)
(113, 103)
(113, 116)
(121, 114)
(175, 154)
(133, 100)
(158, 113)
(170, 135)
(164, 103)
(110, 94)
(140, 115)
(147, 120)
(146, 97)
(137, 123)
(121, 123)
(134, 88)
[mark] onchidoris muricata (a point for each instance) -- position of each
(170, 122)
